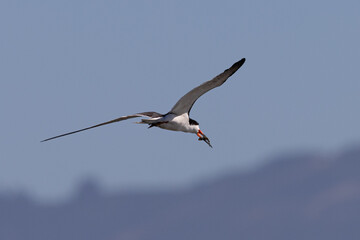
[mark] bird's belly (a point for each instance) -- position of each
(173, 126)
(176, 123)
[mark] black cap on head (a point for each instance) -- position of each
(193, 122)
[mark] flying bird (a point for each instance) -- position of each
(177, 119)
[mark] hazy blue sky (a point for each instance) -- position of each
(66, 65)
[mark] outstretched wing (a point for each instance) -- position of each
(185, 103)
(144, 114)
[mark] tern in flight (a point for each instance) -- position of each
(177, 119)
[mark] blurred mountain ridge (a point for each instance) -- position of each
(295, 196)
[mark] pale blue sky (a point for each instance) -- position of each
(66, 65)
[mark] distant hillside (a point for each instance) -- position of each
(305, 196)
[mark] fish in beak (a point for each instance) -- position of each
(203, 137)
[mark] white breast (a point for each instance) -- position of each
(178, 123)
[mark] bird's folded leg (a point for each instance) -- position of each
(156, 124)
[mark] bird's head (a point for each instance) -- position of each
(199, 133)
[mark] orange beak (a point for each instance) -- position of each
(199, 134)
(202, 137)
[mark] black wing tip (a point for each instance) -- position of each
(48, 139)
(235, 66)
(45, 140)
(238, 64)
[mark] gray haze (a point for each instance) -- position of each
(299, 196)
(67, 65)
